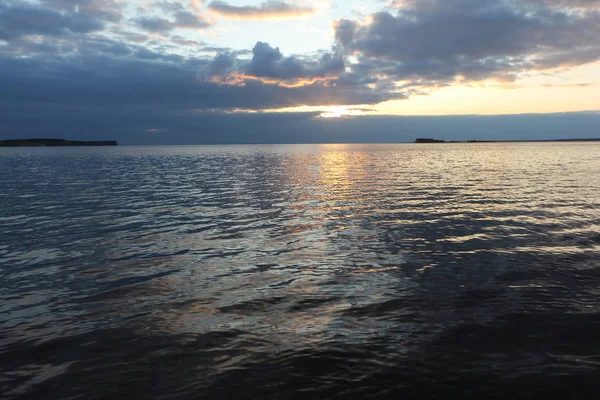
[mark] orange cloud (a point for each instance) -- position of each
(273, 9)
(239, 79)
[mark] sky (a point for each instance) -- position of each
(277, 71)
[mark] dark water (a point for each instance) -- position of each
(334, 271)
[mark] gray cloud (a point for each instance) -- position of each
(154, 24)
(269, 63)
(181, 19)
(344, 31)
(186, 19)
(168, 6)
(104, 10)
(221, 66)
(101, 74)
(438, 42)
(268, 9)
(569, 3)
(181, 41)
(146, 54)
(24, 19)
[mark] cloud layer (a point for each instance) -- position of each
(433, 42)
(181, 19)
(21, 20)
(68, 56)
(273, 9)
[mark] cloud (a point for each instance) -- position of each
(168, 6)
(344, 31)
(195, 5)
(268, 65)
(425, 45)
(570, 4)
(20, 20)
(103, 74)
(221, 66)
(104, 10)
(154, 24)
(181, 19)
(432, 43)
(268, 62)
(182, 41)
(146, 54)
(69, 58)
(273, 9)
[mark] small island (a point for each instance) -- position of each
(55, 142)
(429, 140)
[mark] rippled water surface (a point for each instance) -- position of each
(329, 271)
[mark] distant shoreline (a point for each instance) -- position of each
(55, 143)
(112, 143)
(431, 140)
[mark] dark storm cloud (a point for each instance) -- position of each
(269, 9)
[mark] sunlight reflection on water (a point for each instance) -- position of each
(331, 263)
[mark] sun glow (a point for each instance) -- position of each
(329, 111)
(334, 112)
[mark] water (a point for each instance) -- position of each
(300, 271)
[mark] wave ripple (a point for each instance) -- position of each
(301, 271)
